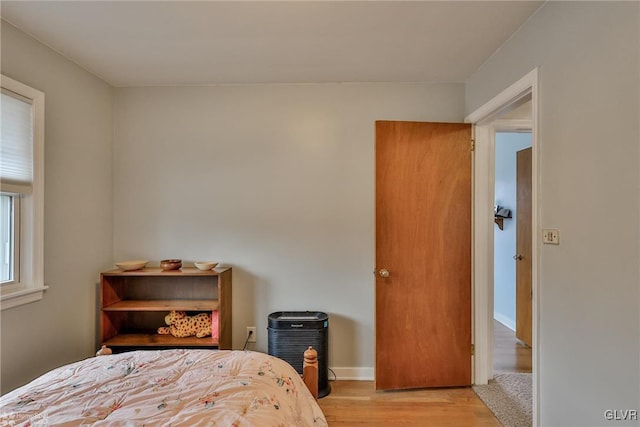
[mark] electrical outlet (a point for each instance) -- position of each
(251, 330)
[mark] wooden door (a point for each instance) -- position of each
(423, 241)
(524, 294)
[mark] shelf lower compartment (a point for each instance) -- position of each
(156, 340)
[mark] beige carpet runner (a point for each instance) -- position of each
(509, 397)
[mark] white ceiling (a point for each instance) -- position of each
(191, 43)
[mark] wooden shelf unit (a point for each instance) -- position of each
(133, 305)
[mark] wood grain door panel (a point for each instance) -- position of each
(423, 238)
(524, 295)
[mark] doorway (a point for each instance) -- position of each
(512, 251)
(486, 120)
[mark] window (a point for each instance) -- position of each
(9, 233)
(21, 194)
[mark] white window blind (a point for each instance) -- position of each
(16, 143)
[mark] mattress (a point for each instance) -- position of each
(176, 387)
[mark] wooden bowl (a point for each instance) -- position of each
(170, 264)
(205, 265)
(131, 265)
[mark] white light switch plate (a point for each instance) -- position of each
(550, 236)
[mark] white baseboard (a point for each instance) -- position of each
(357, 374)
(509, 323)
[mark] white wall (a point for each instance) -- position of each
(78, 212)
(276, 181)
(589, 299)
(504, 241)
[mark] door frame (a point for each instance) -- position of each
(486, 121)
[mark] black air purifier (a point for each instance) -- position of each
(292, 332)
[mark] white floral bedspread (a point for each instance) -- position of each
(166, 388)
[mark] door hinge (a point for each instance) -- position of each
(473, 145)
(473, 349)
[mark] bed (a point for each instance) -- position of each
(177, 387)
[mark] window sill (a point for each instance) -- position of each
(21, 297)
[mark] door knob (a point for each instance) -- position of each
(383, 273)
(517, 257)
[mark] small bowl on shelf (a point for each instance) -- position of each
(131, 265)
(205, 265)
(170, 264)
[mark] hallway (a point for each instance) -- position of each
(509, 353)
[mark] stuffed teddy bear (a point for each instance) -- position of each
(181, 325)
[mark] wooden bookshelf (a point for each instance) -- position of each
(133, 305)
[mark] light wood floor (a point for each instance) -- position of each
(356, 403)
(509, 353)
